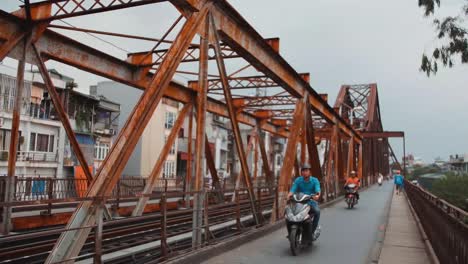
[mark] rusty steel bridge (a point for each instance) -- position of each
(223, 58)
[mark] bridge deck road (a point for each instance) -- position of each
(347, 235)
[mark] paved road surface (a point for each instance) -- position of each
(347, 236)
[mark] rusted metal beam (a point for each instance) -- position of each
(14, 138)
(200, 139)
(351, 161)
(72, 8)
(383, 134)
(60, 48)
(152, 179)
(10, 42)
(289, 158)
(314, 159)
(241, 37)
(233, 119)
(62, 114)
(188, 177)
(70, 243)
(243, 82)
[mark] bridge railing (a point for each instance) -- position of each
(445, 224)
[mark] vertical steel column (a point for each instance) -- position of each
(233, 118)
(200, 140)
(98, 233)
(188, 177)
(163, 206)
(404, 155)
(360, 161)
(256, 160)
(350, 163)
(14, 137)
(304, 142)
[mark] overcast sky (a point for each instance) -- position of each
(341, 42)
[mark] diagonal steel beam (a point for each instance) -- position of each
(70, 243)
(156, 172)
(289, 158)
(314, 159)
(62, 114)
(234, 122)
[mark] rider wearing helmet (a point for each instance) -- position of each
(309, 185)
(353, 180)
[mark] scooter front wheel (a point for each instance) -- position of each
(294, 240)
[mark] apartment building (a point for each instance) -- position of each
(155, 134)
(41, 136)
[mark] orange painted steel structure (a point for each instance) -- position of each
(285, 105)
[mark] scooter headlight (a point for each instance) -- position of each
(301, 216)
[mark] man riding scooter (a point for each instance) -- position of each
(311, 186)
(353, 180)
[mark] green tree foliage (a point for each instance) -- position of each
(453, 189)
(452, 32)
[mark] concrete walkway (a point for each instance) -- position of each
(347, 236)
(403, 242)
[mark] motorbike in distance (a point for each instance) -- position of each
(299, 222)
(350, 197)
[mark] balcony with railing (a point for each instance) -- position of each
(30, 156)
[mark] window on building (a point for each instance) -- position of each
(169, 169)
(170, 120)
(101, 150)
(32, 142)
(5, 135)
(41, 142)
(51, 143)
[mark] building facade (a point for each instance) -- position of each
(154, 136)
(41, 138)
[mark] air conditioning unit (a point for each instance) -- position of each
(112, 132)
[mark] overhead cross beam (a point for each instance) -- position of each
(60, 9)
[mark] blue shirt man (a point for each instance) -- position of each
(308, 185)
(398, 179)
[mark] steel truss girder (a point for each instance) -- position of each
(59, 9)
(70, 243)
(57, 47)
(243, 39)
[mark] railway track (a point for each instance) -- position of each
(119, 234)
